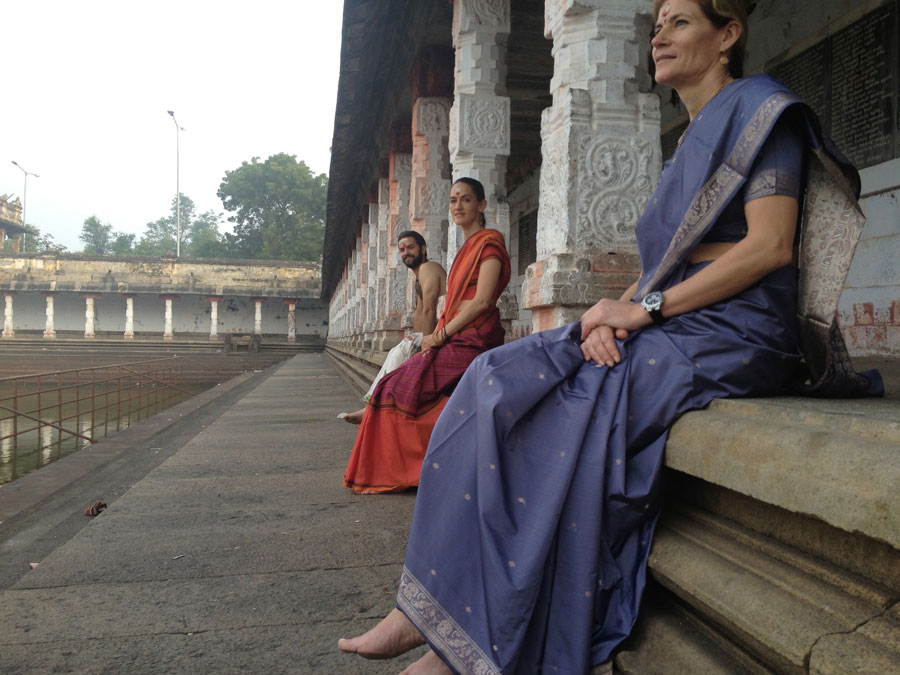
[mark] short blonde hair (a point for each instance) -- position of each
(721, 13)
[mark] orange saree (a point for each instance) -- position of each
(401, 413)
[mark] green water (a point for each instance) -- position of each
(44, 444)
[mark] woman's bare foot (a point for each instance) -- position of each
(430, 664)
(354, 417)
(394, 635)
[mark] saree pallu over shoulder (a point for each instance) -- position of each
(746, 112)
(465, 266)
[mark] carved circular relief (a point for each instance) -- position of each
(487, 126)
(611, 163)
(615, 215)
(490, 12)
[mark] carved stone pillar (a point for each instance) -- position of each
(600, 144)
(8, 330)
(257, 315)
(214, 301)
(49, 330)
(129, 316)
(362, 276)
(372, 271)
(382, 251)
(167, 326)
(89, 315)
(292, 319)
(399, 315)
(480, 119)
(429, 195)
(432, 96)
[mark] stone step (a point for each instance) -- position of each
(670, 639)
(357, 374)
(774, 603)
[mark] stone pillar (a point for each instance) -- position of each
(480, 118)
(372, 270)
(167, 327)
(382, 252)
(89, 315)
(399, 316)
(214, 301)
(49, 330)
(601, 158)
(292, 319)
(432, 95)
(359, 296)
(8, 330)
(257, 315)
(129, 316)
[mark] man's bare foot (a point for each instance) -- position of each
(354, 417)
(394, 635)
(430, 664)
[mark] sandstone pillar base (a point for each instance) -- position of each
(559, 288)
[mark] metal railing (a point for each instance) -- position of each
(72, 408)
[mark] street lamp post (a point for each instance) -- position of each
(24, 197)
(177, 186)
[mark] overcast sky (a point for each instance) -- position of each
(86, 87)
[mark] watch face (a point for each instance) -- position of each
(652, 301)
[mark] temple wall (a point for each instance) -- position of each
(190, 315)
(69, 278)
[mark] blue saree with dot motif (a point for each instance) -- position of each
(539, 495)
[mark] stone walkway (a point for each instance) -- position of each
(229, 543)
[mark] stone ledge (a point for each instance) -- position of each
(777, 605)
(871, 648)
(836, 460)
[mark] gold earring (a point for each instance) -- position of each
(724, 60)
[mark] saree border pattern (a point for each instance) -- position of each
(440, 629)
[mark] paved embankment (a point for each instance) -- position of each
(229, 543)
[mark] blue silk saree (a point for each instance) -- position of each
(539, 492)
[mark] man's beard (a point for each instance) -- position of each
(415, 262)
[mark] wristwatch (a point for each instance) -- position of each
(653, 303)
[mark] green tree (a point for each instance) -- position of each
(200, 237)
(277, 207)
(96, 236)
(122, 243)
(35, 242)
(206, 240)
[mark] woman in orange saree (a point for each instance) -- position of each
(401, 413)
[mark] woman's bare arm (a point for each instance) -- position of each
(488, 277)
(771, 224)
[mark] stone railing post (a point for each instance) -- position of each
(89, 315)
(167, 320)
(601, 157)
(49, 329)
(8, 330)
(129, 316)
(257, 315)
(214, 301)
(292, 319)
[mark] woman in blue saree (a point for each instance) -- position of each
(539, 495)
